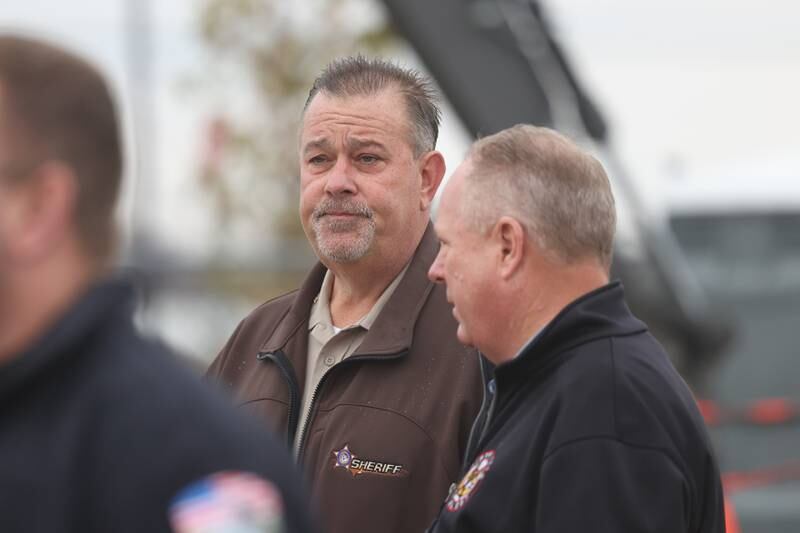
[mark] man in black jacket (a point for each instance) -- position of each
(100, 429)
(590, 428)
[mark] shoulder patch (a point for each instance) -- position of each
(229, 501)
(469, 483)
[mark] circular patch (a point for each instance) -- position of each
(469, 483)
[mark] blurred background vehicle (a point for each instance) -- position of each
(727, 315)
(739, 227)
(661, 92)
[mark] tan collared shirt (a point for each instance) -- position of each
(329, 345)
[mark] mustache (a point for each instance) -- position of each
(340, 206)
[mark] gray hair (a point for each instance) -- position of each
(559, 193)
(361, 76)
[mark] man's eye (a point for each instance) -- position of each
(317, 159)
(368, 159)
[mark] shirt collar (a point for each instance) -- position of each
(530, 341)
(321, 310)
(368, 319)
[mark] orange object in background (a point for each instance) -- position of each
(762, 412)
(772, 411)
(731, 520)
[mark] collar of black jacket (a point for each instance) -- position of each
(91, 310)
(392, 332)
(597, 314)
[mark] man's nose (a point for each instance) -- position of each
(435, 272)
(341, 178)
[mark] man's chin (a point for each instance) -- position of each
(341, 250)
(463, 336)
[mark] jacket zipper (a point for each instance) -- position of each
(489, 414)
(479, 424)
(487, 374)
(312, 403)
(285, 366)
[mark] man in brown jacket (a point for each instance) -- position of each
(361, 368)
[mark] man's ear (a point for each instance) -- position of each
(509, 236)
(44, 212)
(432, 168)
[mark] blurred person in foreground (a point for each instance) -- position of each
(360, 368)
(100, 429)
(589, 428)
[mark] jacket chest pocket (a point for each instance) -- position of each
(374, 462)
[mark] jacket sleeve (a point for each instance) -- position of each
(604, 485)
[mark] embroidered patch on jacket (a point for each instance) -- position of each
(357, 465)
(469, 483)
(228, 502)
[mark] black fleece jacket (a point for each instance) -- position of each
(100, 429)
(590, 429)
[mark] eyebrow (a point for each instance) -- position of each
(317, 144)
(355, 144)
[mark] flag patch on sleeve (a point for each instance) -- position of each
(228, 502)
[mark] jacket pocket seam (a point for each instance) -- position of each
(406, 417)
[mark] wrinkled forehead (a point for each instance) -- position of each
(382, 115)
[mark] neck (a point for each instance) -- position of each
(358, 285)
(537, 304)
(355, 291)
(35, 298)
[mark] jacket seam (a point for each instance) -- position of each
(599, 337)
(426, 294)
(624, 442)
(583, 342)
(613, 385)
(253, 400)
(417, 424)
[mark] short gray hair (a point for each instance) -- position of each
(558, 192)
(361, 76)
